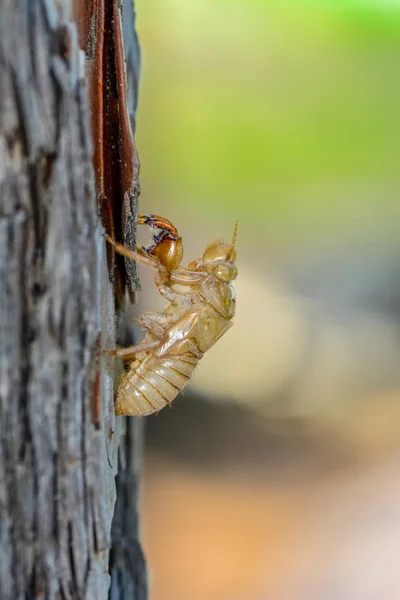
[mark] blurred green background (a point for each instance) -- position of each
(284, 114)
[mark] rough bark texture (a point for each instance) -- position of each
(59, 439)
(127, 565)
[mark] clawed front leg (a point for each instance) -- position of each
(167, 248)
(157, 222)
(167, 269)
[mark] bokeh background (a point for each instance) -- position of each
(276, 476)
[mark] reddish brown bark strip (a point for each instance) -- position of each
(115, 157)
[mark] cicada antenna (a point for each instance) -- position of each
(232, 246)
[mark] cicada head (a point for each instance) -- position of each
(219, 259)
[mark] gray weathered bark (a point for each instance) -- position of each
(59, 439)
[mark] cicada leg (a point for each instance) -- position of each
(132, 254)
(184, 347)
(154, 322)
(157, 222)
(179, 275)
(167, 248)
(133, 350)
(186, 277)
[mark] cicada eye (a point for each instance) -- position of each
(226, 271)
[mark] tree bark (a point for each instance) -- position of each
(60, 444)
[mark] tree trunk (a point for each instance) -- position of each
(60, 444)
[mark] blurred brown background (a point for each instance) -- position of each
(276, 476)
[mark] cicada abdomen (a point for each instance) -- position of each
(153, 382)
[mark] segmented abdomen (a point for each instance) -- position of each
(152, 382)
